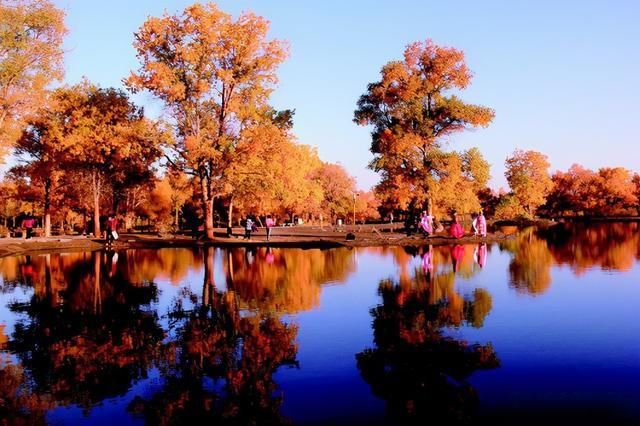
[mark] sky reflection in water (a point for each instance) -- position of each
(540, 327)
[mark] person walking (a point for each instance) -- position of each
(270, 223)
(111, 224)
(248, 227)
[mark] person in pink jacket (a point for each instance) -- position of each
(270, 223)
(481, 225)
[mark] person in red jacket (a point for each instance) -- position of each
(111, 225)
(456, 230)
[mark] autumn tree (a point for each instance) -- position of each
(338, 189)
(413, 112)
(254, 180)
(367, 206)
(572, 191)
(616, 192)
(31, 33)
(508, 208)
(215, 75)
(636, 190)
(38, 152)
(103, 134)
(609, 191)
(286, 184)
(527, 173)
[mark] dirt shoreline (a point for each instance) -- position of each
(305, 237)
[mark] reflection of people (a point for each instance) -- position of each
(112, 263)
(269, 257)
(457, 253)
(270, 223)
(427, 261)
(27, 271)
(480, 255)
(456, 230)
(250, 255)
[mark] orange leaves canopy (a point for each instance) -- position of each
(528, 177)
(412, 111)
(31, 33)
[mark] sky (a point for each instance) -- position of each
(561, 75)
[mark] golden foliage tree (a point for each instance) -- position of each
(215, 75)
(528, 177)
(607, 192)
(31, 33)
(412, 112)
(104, 135)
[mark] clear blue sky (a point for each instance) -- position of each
(561, 75)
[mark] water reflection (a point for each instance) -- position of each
(415, 366)
(285, 280)
(187, 335)
(607, 246)
(95, 344)
(220, 366)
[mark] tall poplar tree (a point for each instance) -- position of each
(215, 75)
(413, 111)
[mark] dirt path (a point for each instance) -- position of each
(298, 236)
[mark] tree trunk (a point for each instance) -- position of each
(47, 207)
(47, 278)
(209, 285)
(230, 213)
(95, 187)
(97, 292)
(176, 218)
(229, 270)
(207, 201)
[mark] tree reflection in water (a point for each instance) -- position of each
(88, 333)
(93, 346)
(220, 366)
(420, 371)
(581, 246)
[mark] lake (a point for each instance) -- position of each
(543, 327)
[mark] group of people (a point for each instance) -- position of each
(457, 255)
(429, 225)
(250, 226)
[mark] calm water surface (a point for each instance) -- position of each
(544, 327)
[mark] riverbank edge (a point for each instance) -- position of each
(136, 241)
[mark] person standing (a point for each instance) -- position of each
(426, 223)
(27, 224)
(248, 227)
(481, 225)
(111, 225)
(456, 230)
(270, 223)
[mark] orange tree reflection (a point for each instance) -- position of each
(220, 365)
(95, 344)
(420, 371)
